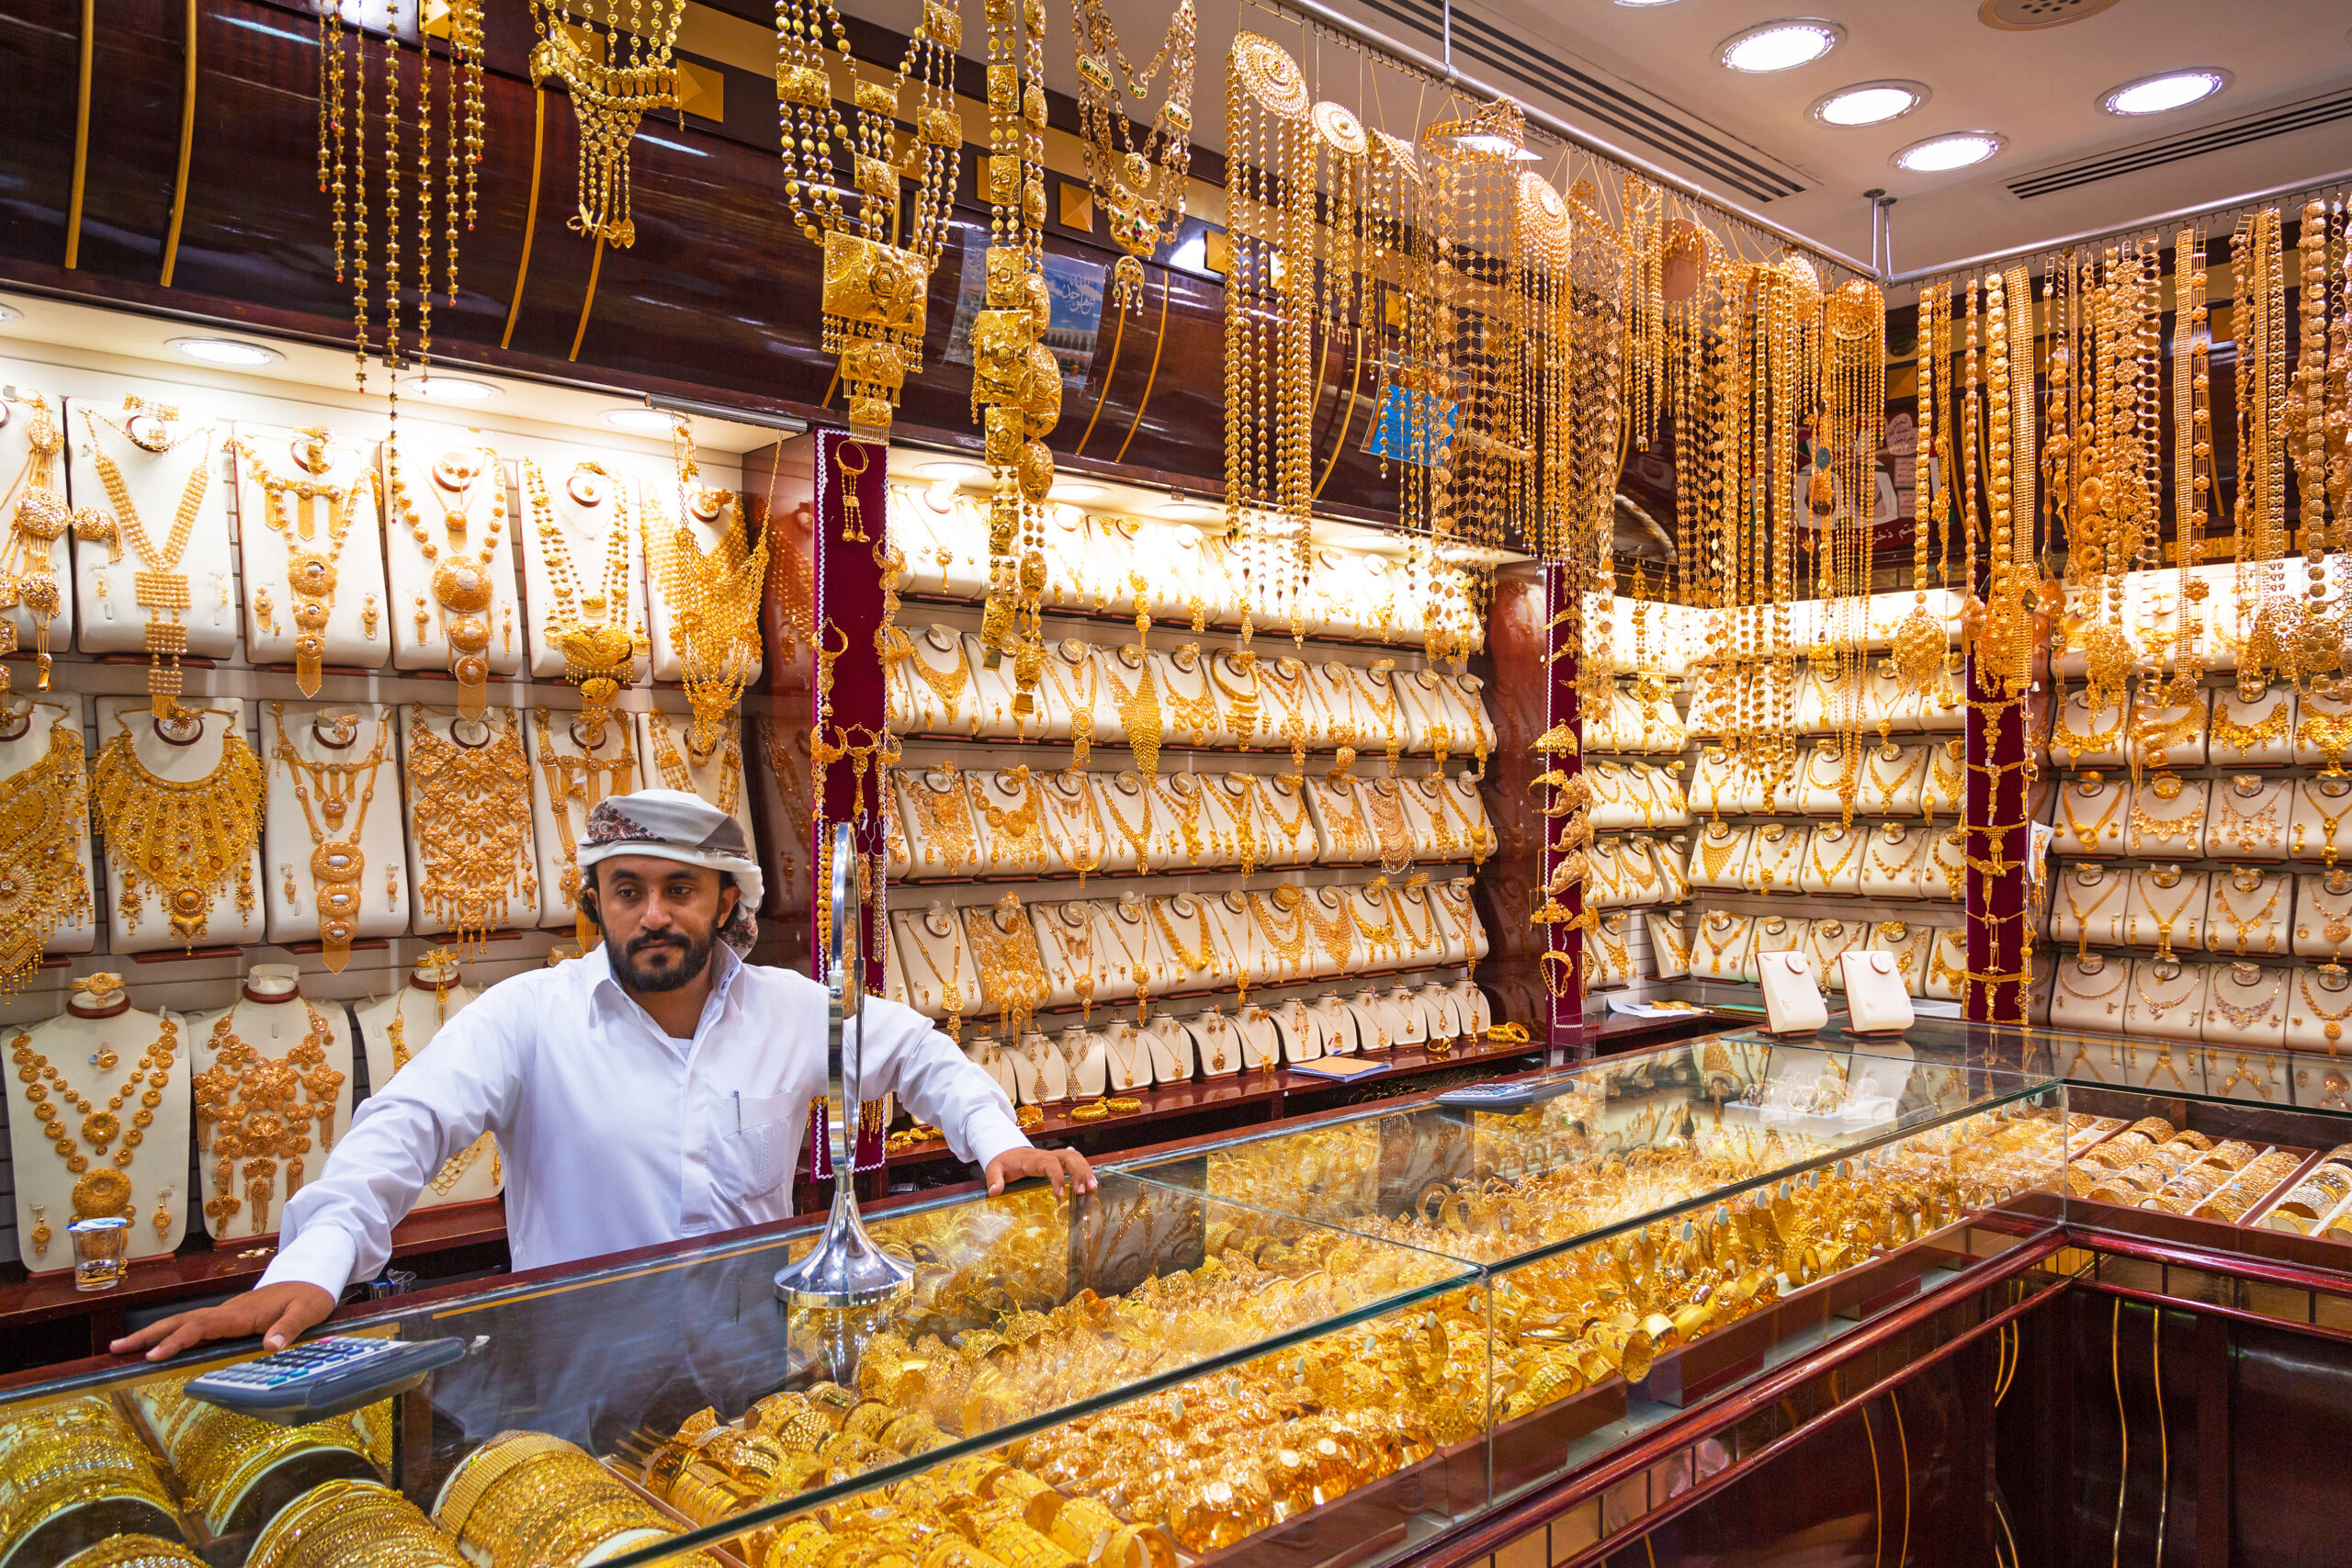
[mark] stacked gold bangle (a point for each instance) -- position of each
(69, 1454)
(134, 1552)
(219, 1453)
(529, 1497)
(349, 1524)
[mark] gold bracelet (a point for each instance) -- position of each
(1092, 1111)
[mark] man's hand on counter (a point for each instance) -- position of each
(277, 1313)
(1063, 1167)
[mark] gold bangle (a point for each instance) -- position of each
(1092, 1111)
(1122, 1105)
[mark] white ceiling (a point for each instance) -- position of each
(2040, 89)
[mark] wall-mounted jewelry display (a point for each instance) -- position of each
(49, 901)
(312, 549)
(471, 857)
(36, 610)
(449, 533)
(160, 785)
(333, 826)
(397, 1030)
(273, 1093)
(101, 1126)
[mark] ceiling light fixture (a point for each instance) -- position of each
(1643, 5)
(1955, 150)
(1076, 490)
(646, 421)
(9, 312)
(1181, 511)
(2167, 90)
(226, 351)
(1781, 46)
(1869, 103)
(955, 473)
(452, 390)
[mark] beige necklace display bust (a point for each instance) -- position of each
(2167, 818)
(1669, 942)
(2248, 911)
(2319, 1012)
(1076, 968)
(572, 775)
(1777, 860)
(1127, 1057)
(157, 486)
(472, 852)
(1089, 1068)
(1944, 874)
(2080, 739)
(2167, 904)
(1946, 785)
(2323, 914)
(2253, 728)
(332, 824)
(2319, 831)
(1947, 964)
(583, 564)
(2246, 1006)
(2090, 908)
(1719, 858)
(1892, 778)
(2090, 995)
(109, 1083)
(1011, 821)
(935, 964)
(930, 692)
(210, 768)
(397, 1030)
(2166, 1000)
(1136, 954)
(1040, 1076)
(1723, 950)
(1894, 861)
(1070, 703)
(449, 561)
(1077, 836)
(272, 1088)
(1833, 860)
(2169, 736)
(1175, 1057)
(311, 544)
(45, 793)
(988, 1054)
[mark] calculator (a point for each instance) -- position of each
(1504, 1098)
(320, 1378)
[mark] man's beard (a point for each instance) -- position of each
(635, 977)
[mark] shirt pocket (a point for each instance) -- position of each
(748, 1163)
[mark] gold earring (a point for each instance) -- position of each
(40, 1231)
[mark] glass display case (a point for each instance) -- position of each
(1330, 1341)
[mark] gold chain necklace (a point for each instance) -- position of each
(1066, 812)
(594, 631)
(1338, 938)
(336, 862)
(472, 811)
(2078, 742)
(2327, 852)
(1378, 939)
(1199, 714)
(1241, 706)
(1347, 832)
(2222, 902)
(713, 600)
(1137, 970)
(2087, 836)
(2332, 1022)
(1182, 794)
(951, 988)
(44, 813)
(464, 586)
(259, 1113)
(1715, 949)
(1077, 950)
(182, 841)
(1286, 678)
(1386, 811)
(1234, 806)
(1080, 704)
(396, 1035)
(1289, 945)
(1138, 708)
(1715, 856)
(1015, 833)
(677, 775)
(946, 815)
(1437, 794)
(1138, 833)
(1292, 827)
(947, 685)
(1829, 874)
(2246, 1016)
(2245, 829)
(2122, 976)
(158, 587)
(2164, 922)
(103, 1192)
(2157, 1010)
(2248, 737)
(1201, 963)
(311, 572)
(583, 781)
(1012, 972)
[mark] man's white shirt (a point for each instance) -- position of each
(616, 1136)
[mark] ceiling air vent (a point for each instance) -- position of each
(2300, 116)
(1654, 125)
(2033, 16)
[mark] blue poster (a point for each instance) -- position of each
(1392, 435)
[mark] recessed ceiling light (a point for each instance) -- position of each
(959, 472)
(1645, 5)
(645, 421)
(452, 390)
(226, 351)
(1181, 511)
(1955, 151)
(2168, 90)
(1781, 46)
(1869, 103)
(1077, 490)
(9, 312)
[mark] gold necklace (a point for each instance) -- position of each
(1204, 962)
(676, 774)
(1077, 950)
(1066, 812)
(951, 989)
(1715, 949)
(947, 685)
(1385, 812)
(336, 862)
(1425, 939)
(1080, 704)
(2122, 975)
(180, 841)
(1715, 856)
(1286, 678)
(104, 1192)
(2078, 742)
(1241, 706)
(1289, 945)
(2157, 1010)
(2222, 902)
(1376, 680)
(1348, 835)
(2087, 836)
(472, 809)
(1012, 972)
(1015, 834)
(1378, 939)
(1234, 806)
(2246, 1016)
(37, 518)
(1436, 793)
(583, 781)
(2327, 853)
(44, 818)
(396, 1035)
(1137, 833)
(259, 1113)
(2164, 922)
(464, 585)
(948, 835)
(1829, 874)
(1199, 714)
(1294, 828)
(1138, 708)
(158, 587)
(1886, 787)
(1137, 970)
(714, 601)
(2165, 828)
(2248, 737)
(310, 572)
(2332, 1022)
(2244, 830)
(1336, 939)
(596, 632)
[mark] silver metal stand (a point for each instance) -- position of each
(846, 1270)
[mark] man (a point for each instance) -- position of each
(657, 1087)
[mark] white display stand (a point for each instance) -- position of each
(1877, 1000)
(149, 929)
(1792, 997)
(30, 728)
(473, 897)
(398, 1028)
(1127, 1058)
(21, 425)
(156, 483)
(96, 1020)
(273, 1018)
(454, 487)
(273, 463)
(342, 855)
(569, 777)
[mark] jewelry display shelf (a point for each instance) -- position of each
(44, 1319)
